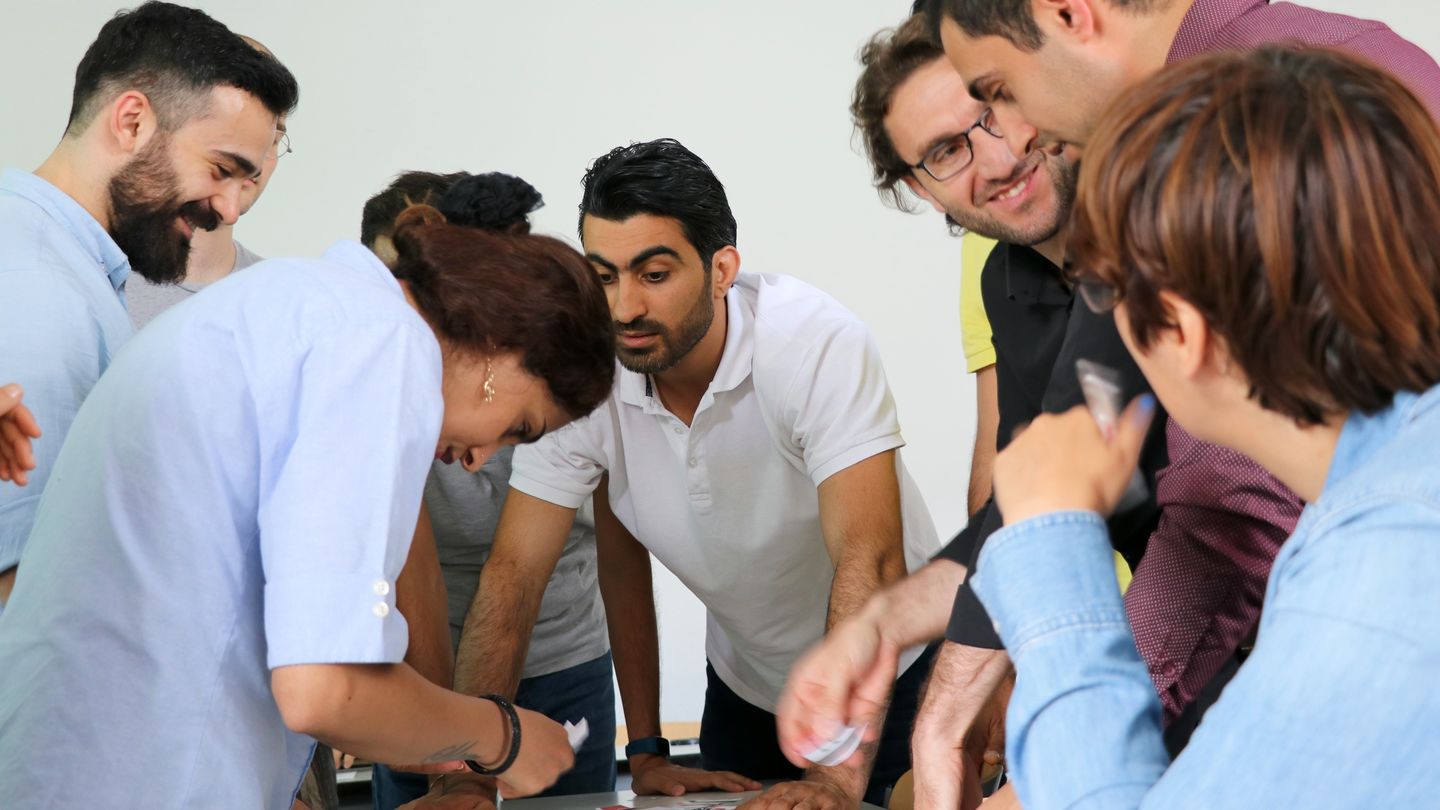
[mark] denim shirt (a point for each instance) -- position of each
(1338, 705)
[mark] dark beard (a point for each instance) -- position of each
(1062, 174)
(674, 347)
(144, 206)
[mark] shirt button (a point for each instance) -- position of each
(381, 609)
(996, 625)
(381, 587)
(678, 431)
(1168, 670)
(693, 462)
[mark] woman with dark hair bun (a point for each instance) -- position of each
(287, 418)
(568, 673)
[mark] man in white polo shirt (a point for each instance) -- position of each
(751, 445)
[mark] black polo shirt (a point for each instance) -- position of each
(1040, 328)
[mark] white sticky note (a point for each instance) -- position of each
(577, 733)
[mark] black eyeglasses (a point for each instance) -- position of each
(1100, 296)
(951, 156)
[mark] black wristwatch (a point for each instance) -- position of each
(648, 745)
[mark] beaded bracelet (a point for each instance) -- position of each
(509, 711)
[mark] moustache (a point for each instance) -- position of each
(201, 217)
(640, 325)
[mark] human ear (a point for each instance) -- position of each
(724, 266)
(130, 121)
(1065, 18)
(923, 193)
(1191, 345)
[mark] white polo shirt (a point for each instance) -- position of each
(729, 504)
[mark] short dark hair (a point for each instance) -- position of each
(1012, 20)
(484, 291)
(175, 56)
(1289, 196)
(494, 201)
(890, 58)
(664, 179)
(378, 217)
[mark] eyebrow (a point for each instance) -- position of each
(534, 436)
(240, 164)
(974, 88)
(638, 259)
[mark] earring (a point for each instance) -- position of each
(489, 387)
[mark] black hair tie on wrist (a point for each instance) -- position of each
(509, 711)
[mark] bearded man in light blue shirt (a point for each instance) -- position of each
(172, 114)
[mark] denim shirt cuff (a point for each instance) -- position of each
(1046, 574)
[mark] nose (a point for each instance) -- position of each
(226, 202)
(475, 457)
(1020, 135)
(629, 301)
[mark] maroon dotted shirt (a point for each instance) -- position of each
(1198, 590)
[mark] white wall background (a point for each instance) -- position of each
(759, 88)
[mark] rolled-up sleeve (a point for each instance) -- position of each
(342, 472)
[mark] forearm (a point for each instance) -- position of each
(916, 609)
(420, 597)
(1223, 520)
(388, 713)
(627, 589)
(496, 636)
(987, 425)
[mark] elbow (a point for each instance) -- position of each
(310, 697)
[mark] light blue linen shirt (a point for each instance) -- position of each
(237, 494)
(1337, 706)
(62, 319)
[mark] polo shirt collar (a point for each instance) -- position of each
(76, 221)
(736, 360)
(1030, 278)
(1204, 19)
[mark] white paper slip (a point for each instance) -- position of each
(577, 733)
(838, 748)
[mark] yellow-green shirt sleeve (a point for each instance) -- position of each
(974, 325)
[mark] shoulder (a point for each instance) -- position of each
(791, 316)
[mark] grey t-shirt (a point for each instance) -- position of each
(464, 510)
(145, 299)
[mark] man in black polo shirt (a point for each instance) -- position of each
(994, 177)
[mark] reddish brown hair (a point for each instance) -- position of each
(483, 292)
(1292, 196)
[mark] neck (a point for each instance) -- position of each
(1298, 455)
(66, 169)
(1054, 247)
(1150, 36)
(212, 255)
(683, 384)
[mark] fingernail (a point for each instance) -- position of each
(12, 390)
(1146, 407)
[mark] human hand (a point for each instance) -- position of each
(17, 429)
(545, 753)
(810, 794)
(1063, 462)
(654, 775)
(456, 792)
(844, 680)
(959, 730)
(1004, 799)
(341, 759)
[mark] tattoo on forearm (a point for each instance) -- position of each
(458, 751)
